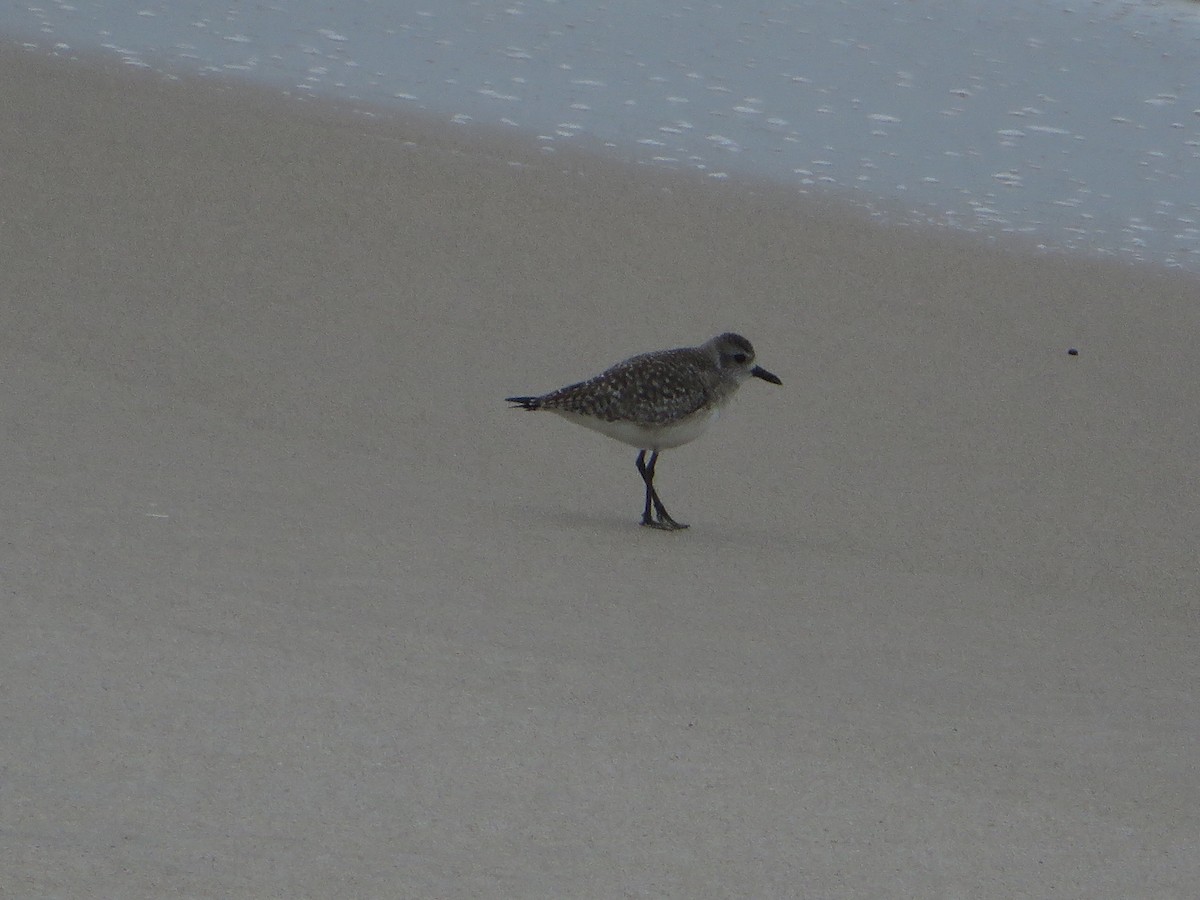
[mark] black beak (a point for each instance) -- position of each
(760, 372)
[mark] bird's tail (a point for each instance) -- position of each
(530, 403)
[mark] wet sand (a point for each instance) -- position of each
(295, 606)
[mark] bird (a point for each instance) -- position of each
(657, 401)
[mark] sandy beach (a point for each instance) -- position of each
(294, 606)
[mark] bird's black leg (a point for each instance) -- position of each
(641, 467)
(664, 520)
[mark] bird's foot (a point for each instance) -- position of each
(663, 523)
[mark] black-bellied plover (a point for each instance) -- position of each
(657, 401)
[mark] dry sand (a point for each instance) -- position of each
(294, 606)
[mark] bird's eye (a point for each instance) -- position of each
(739, 358)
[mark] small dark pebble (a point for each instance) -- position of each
(1072, 352)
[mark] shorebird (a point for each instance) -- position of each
(656, 401)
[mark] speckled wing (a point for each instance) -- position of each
(651, 389)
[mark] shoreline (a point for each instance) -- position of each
(506, 146)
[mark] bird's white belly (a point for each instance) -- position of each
(661, 437)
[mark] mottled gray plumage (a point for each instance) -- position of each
(656, 401)
(649, 389)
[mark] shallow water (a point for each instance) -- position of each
(1075, 123)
